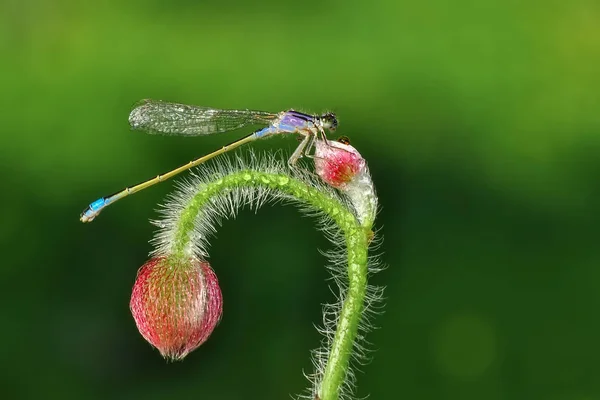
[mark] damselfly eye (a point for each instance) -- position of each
(329, 121)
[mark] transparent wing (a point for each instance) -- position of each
(160, 117)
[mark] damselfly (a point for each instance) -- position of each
(159, 117)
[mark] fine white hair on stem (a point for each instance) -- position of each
(224, 204)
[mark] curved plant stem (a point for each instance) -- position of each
(356, 237)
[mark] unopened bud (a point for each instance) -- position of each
(337, 163)
(341, 166)
(176, 304)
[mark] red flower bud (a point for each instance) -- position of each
(176, 304)
(337, 163)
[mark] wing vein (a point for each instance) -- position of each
(161, 117)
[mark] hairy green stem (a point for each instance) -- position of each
(357, 240)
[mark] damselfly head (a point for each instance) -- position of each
(329, 121)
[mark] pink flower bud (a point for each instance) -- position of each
(337, 163)
(341, 166)
(176, 304)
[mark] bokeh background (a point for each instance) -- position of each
(480, 122)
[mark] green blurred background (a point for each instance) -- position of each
(479, 120)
